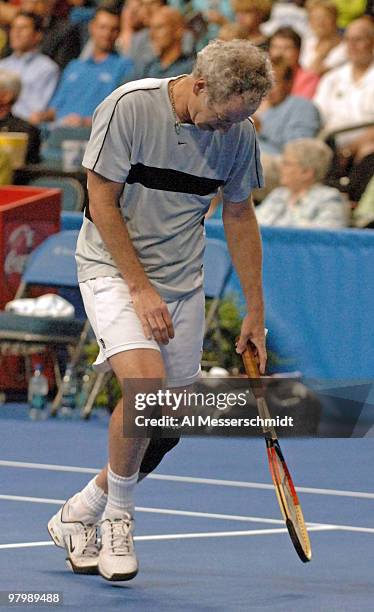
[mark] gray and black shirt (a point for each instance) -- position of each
(170, 180)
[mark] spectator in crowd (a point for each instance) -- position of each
(80, 12)
(79, 9)
(285, 42)
(283, 117)
(215, 14)
(230, 30)
(131, 27)
(250, 14)
(10, 88)
(287, 13)
(61, 39)
(134, 39)
(302, 201)
(142, 50)
(85, 83)
(324, 48)
(345, 96)
(39, 74)
(166, 32)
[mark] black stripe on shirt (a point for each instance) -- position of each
(255, 142)
(165, 179)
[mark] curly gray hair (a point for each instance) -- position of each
(311, 153)
(234, 67)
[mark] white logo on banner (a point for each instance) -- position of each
(20, 243)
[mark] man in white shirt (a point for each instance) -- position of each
(39, 74)
(345, 96)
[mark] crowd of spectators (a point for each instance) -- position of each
(60, 58)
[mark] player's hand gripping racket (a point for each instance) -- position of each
(284, 487)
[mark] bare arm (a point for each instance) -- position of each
(361, 146)
(106, 215)
(41, 116)
(244, 242)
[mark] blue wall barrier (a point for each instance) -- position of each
(319, 292)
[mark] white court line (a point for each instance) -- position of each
(224, 534)
(35, 500)
(48, 466)
(190, 479)
(168, 511)
(208, 515)
(26, 544)
(180, 536)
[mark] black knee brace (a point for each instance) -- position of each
(157, 448)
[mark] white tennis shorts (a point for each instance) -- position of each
(117, 328)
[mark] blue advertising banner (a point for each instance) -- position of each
(319, 291)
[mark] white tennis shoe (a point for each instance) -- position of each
(80, 541)
(117, 559)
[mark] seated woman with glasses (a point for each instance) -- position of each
(302, 200)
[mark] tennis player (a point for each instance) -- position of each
(159, 151)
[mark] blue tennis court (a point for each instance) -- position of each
(208, 531)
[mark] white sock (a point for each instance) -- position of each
(120, 495)
(88, 505)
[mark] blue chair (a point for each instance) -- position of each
(72, 190)
(71, 220)
(51, 265)
(217, 271)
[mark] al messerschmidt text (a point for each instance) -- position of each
(209, 421)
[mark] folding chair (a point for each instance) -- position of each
(52, 264)
(72, 190)
(217, 270)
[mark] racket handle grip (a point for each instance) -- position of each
(250, 362)
(252, 370)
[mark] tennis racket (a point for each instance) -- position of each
(284, 487)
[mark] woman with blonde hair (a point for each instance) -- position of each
(324, 48)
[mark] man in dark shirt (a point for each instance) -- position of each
(166, 31)
(10, 87)
(61, 39)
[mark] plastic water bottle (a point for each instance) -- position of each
(37, 394)
(84, 390)
(69, 392)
